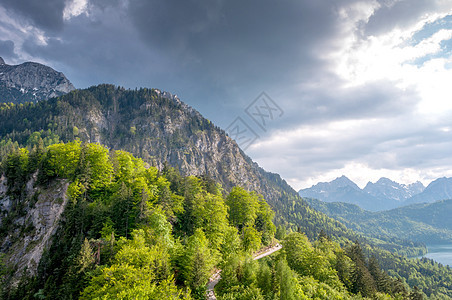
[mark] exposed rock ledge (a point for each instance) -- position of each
(32, 233)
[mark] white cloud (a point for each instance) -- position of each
(383, 57)
(390, 56)
(75, 8)
(406, 147)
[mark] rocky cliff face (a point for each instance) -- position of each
(161, 128)
(32, 224)
(31, 82)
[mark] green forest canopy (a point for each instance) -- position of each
(131, 230)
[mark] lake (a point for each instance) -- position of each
(440, 253)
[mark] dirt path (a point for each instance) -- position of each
(215, 278)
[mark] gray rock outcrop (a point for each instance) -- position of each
(31, 81)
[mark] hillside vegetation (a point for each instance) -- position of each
(205, 208)
(130, 231)
(427, 223)
(159, 128)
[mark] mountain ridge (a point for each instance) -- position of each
(31, 81)
(342, 189)
(388, 188)
(384, 194)
(439, 189)
(159, 128)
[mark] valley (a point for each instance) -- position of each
(441, 253)
(425, 223)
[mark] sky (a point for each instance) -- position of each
(324, 88)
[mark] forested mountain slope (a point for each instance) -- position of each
(127, 231)
(428, 223)
(158, 127)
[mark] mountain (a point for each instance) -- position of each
(86, 222)
(162, 130)
(427, 223)
(382, 195)
(31, 81)
(330, 191)
(439, 189)
(386, 188)
(343, 189)
(158, 127)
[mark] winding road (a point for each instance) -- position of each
(215, 278)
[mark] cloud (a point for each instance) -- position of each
(232, 44)
(401, 14)
(75, 8)
(397, 145)
(47, 15)
(363, 83)
(376, 111)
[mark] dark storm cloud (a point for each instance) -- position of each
(7, 50)
(47, 15)
(235, 43)
(219, 55)
(212, 53)
(98, 49)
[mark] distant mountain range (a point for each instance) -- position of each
(386, 188)
(382, 195)
(31, 82)
(440, 189)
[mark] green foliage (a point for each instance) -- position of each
(128, 231)
(232, 242)
(421, 223)
(17, 171)
(305, 270)
(306, 260)
(196, 263)
(157, 234)
(61, 161)
(95, 166)
(139, 271)
(243, 207)
(252, 216)
(251, 239)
